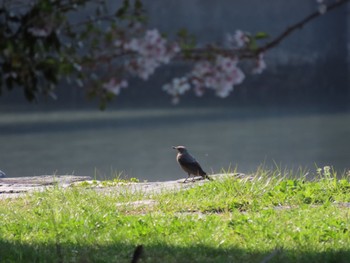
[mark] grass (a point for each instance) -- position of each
(266, 218)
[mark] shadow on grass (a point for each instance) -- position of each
(117, 252)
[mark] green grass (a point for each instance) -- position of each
(289, 218)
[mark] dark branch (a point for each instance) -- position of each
(246, 53)
(298, 25)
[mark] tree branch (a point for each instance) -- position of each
(298, 25)
(246, 53)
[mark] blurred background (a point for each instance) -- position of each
(295, 114)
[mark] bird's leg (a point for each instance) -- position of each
(187, 178)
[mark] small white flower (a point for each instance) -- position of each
(238, 40)
(260, 65)
(153, 50)
(114, 86)
(322, 8)
(39, 32)
(11, 74)
(177, 87)
(220, 76)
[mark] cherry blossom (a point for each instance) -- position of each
(322, 7)
(39, 32)
(220, 75)
(260, 65)
(152, 51)
(238, 40)
(114, 86)
(177, 87)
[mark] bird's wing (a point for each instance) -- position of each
(187, 158)
(190, 164)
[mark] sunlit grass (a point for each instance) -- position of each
(227, 220)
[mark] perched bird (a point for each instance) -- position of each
(2, 174)
(189, 164)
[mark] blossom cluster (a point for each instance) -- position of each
(322, 7)
(177, 87)
(114, 85)
(152, 50)
(220, 75)
(238, 40)
(39, 32)
(260, 64)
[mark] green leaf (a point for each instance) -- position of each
(261, 35)
(182, 33)
(138, 5)
(186, 40)
(252, 44)
(121, 12)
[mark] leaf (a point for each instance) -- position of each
(123, 10)
(182, 33)
(261, 35)
(252, 44)
(138, 5)
(53, 41)
(187, 41)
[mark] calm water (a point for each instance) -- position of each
(138, 142)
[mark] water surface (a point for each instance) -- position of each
(138, 143)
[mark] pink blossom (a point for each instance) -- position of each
(114, 86)
(260, 65)
(198, 90)
(322, 8)
(153, 50)
(238, 40)
(39, 32)
(220, 76)
(177, 87)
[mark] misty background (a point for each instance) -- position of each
(295, 114)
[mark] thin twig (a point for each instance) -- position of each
(298, 25)
(248, 53)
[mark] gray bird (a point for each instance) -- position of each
(189, 164)
(2, 174)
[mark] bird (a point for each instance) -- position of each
(2, 174)
(189, 164)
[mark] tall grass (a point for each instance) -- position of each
(276, 215)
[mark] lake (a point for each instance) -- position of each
(137, 143)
